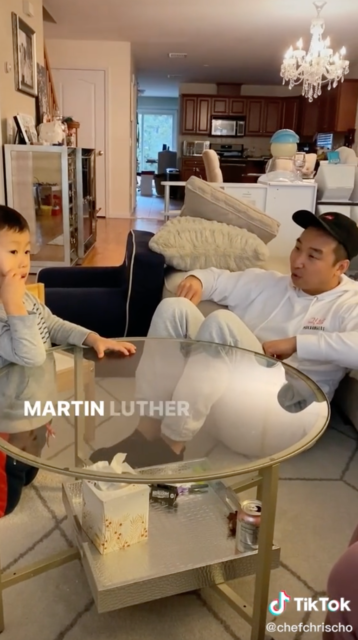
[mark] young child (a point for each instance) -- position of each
(27, 331)
(25, 433)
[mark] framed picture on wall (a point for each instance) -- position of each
(25, 68)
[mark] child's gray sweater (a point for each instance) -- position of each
(24, 340)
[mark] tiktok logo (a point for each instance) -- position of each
(276, 607)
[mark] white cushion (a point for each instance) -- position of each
(192, 243)
(203, 200)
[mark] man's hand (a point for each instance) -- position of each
(280, 349)
(190, 288)
(100, 345)
(12, 293)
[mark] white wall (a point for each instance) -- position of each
(115, 59)
(148, 102)
(12, 101)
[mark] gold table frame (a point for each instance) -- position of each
(267, 485)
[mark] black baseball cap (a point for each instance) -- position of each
(339, 226)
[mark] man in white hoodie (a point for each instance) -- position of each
(308, 319)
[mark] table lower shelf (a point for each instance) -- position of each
(188, 548)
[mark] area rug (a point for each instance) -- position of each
(317, 512)
(57, 241)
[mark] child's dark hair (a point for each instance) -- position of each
(13, 220)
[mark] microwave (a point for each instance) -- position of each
(228, 127)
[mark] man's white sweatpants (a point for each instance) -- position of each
(235, 389)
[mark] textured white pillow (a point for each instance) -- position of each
(193, 243)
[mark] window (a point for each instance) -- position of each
(155, 128)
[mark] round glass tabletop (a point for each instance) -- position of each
(175, 411)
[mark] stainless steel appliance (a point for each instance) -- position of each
(232, 161)
(195, 147)
(230, 127)
(229, 151)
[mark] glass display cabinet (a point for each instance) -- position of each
(54, 189)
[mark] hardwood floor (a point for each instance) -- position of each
(111, 242)
(110, 247)
(112, 233)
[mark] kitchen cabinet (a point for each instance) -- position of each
(203, 116)
(272, 116)
(233, 171)
(237, 106)
(189, 114)
(220, 106)
(264, 116)
(290, 113)
(255, 108)
(308, 118)
(334, 111)
(338, 108)
(192, 167)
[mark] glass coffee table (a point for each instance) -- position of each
(212, 421)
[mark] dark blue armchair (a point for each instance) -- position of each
(112, 301)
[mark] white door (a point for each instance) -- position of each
(81, 96)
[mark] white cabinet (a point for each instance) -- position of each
(279, 200)
(281, 203)
(251, 193)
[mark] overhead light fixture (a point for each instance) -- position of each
(319, 66)
(177, 55)
(174, 75)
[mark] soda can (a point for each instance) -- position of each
(248, 525)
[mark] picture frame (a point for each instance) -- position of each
(26, 128)
(25, 65)
(21, 132)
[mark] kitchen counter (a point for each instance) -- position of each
(234, 169)
(247, 159)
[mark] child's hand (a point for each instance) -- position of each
(100, 345)
(12, 292)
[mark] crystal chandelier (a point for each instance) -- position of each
(320, 65)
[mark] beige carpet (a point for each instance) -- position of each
(317, 511)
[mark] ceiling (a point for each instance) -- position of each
(225, 41)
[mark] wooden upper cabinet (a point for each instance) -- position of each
(237, 106)
(272, 116)
(220, 106)
(339, 109)
(203, 115)
(254, 117)
(290, 113)
(309, 117)
(334, 111)
(347, 106)
(189, 114)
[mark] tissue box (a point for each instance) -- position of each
(116, 516)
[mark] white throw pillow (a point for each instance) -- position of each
(203, 200)
(193, 243)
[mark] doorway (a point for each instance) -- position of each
(155, 129)
(81, 96)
